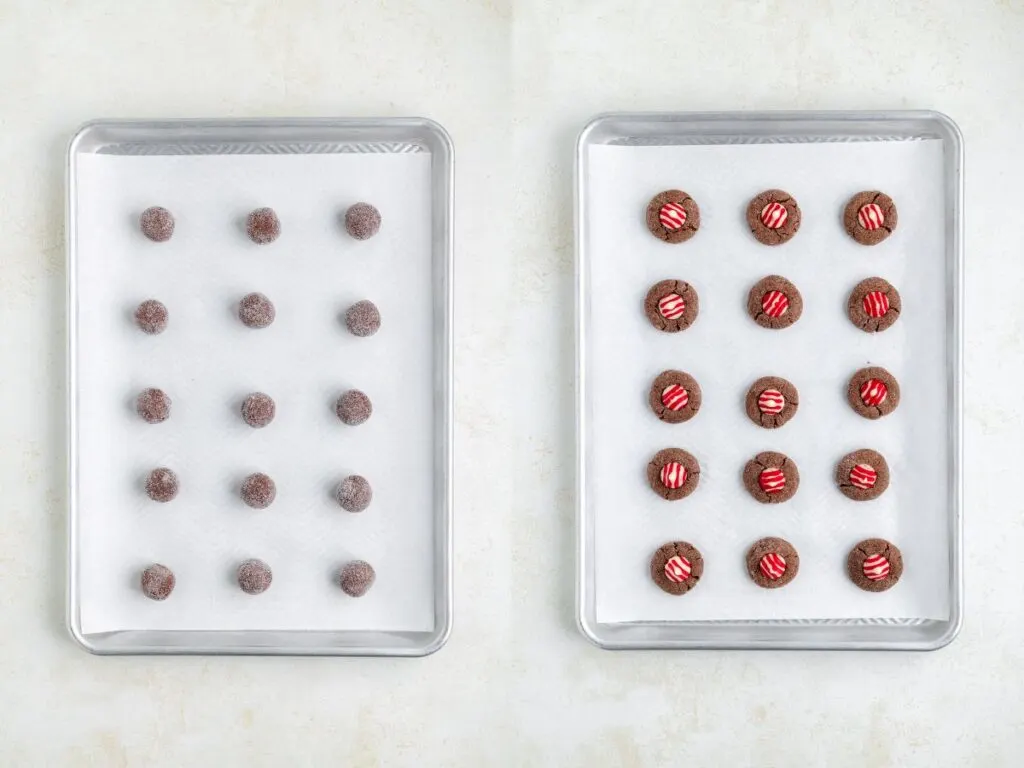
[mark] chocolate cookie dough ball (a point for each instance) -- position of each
(774, 302)
(774, 217)
(356, 578)
(771, 402)
(862, 475)
(875, 565)
(354, 407)
(874, 305)
(673, 216)
(673, 474)
(771, 477)
(151, 316)
(254, 577)
(157, 224)
(363, 318)
(873, 392)
(870, 217)
(153, 405)
(263, 226)
(258, 410)
(362, 221)
(162, 485)
(675, 397)
(671, 305)
(258, 490)
(772, 562)
(157, 582)
(676, 567)
(256, 310)
(354, 493)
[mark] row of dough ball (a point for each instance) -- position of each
(255, 577)
(258, 409)
(362, 221)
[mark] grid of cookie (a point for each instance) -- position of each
(258, 490)
(775, 303)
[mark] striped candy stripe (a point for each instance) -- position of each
(772, 480)
(672, 306)
(876, 304)
(775, 304)
(873, 392)
(773, 565)
(870, 216)
(771, 401)
(876, 568)
(674, 397)
(863, 476)
(774, 215)
(672, 216)
(673, 475)
(677, 569)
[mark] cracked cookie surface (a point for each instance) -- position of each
(773, 216)
(870, 217)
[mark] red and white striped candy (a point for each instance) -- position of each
(672, 306)
(775, 303)
(772, 565)
(876, 568)
(873, 392)
(677, 569)
(675, 397)
(673, 475)
(876, 304)
(774, 215)
(772, 480)
(771, 401)
(863, 476)
(672, 216)
(870, 216)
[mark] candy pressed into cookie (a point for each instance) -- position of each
(675, 397)
(771, 477)
(672, 305)
(862, 475)
(774, 302)
(873, 392)
(870, 217)
(875, 565)
(771, 402)
(772, 562)
(673, 216)
(673, 473)
(874, 305)
(773, 216)
(676, 567)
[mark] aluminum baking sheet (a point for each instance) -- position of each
(210, 175)
(723, 160)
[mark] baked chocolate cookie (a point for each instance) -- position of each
(673, 216)
(773, 216)
(771, 401)
(873, 392)
(875, 565)
(675, 396)
(772, 562)
(672, 305)
(771, 477)
(774, 302)
(874, 305)
(673, 473)
(677, 567)
(870, 217)
(862, 475)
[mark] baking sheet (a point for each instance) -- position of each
(726, 351)
(207, 361)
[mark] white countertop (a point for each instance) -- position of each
(513, 82)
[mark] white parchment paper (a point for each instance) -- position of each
(726, 352)
(208, 361)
